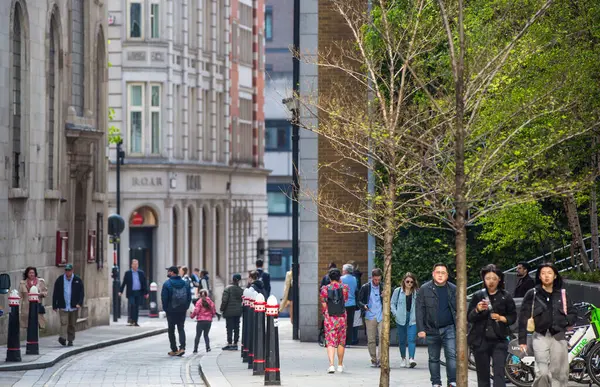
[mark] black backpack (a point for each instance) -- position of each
(335, 302)
(179, 298)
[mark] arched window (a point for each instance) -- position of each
(17, 72)
(78, 56)
(52, 90)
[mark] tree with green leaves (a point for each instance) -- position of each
(456, 110)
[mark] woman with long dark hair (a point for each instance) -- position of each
(546, 312)
(204, 312)
(333, 297)
(403, 307)
(30, 278)
(491, 312)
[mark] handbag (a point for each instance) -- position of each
(41, 309)
(531, 321)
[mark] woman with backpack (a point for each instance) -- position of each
(204, 311)
(403, 307)
(333, 298)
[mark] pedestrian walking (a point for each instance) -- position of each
(325, 280)
(491, 312)
(67, 299)
(436, 316)
(176, 299)
(231, 309)
(256, 283)
(288, 296)
(333, 298)
(30, 278)
(137, 289)
(264, 277)
(204, 311)
(349, 280)
(403, 307)
(358, 322)
(524, 280)
(546, 312)
(370, 301)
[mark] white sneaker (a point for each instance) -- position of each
(340, 368)
(331, 370)
(412, 363)
(403, 363)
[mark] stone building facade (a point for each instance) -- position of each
(185, 83)
(53, 108)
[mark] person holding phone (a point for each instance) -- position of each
(491, 311)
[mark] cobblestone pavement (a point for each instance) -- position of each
(142, 362)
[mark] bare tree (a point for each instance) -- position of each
(442, 144)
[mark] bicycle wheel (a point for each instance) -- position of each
(592, 362)
(518, 373)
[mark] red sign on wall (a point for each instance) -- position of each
(137, 219)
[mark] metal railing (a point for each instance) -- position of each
(541, 258)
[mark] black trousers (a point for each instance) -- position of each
(202, 326)
(176, 319)
(496, 352)
(349, 324)
(233, 329)
(135, 301)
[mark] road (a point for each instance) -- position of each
(139, 363)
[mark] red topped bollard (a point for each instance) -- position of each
(258, 366)
(245, 325)
(33, 346)
(13, 344)
(153, 312)
(251, 319)
(272, 374)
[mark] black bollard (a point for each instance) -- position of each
(13, 344)
(250, 337)
(153, 312)
(244, 350)
(33, 346)
(258, 366)
(272, 374)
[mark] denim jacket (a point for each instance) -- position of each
(399, 307)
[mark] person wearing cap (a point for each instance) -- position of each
(176, 298)
(67, 299)
(231, 308)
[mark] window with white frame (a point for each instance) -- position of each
(154, 20)
(221, 27)
(178, 25)
(155, 119)
(136, 117)
(177, 129)
(193, 124)
(245, 33)
(193, 25)
(207, 25)
(135, 20)
(206, 125)
(245, 128)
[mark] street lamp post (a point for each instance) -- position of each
(116, 224)
(116, 240)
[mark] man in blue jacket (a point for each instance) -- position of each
(176, 299)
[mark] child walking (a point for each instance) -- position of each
(204, 312)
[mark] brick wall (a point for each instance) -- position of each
(336, 247)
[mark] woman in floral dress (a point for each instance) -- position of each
(335, 325)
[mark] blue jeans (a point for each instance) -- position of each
(445, 338)
(407, 332)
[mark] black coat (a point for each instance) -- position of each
(560, 321)
(58, 295)
(523, 286)
(128, 281)
(504, 305)
(266, 279)
(231, 305)
(428, 304)
(365, 293)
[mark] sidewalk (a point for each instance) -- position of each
(305, 364)
(51, 351)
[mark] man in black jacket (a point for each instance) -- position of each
(436, 316)
(67, 299)
(264, 277)
(524, 281)
(137, 287)
(231, 308)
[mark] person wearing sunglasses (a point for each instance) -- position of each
(404, 301)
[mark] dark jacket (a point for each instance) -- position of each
(542, 323)
(365, 293)
(358, 275)
(231, 305)
(128, 281)
(166, 294)
(259, 286)
(523, 286)
(266, 279)
(58, 295)
(504, 305)
(325, 280)
(427, 307)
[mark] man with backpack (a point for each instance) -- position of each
(176, 299)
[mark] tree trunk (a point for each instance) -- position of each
(573, 217)
(594, 226)
(388, 244)
(462, 354)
